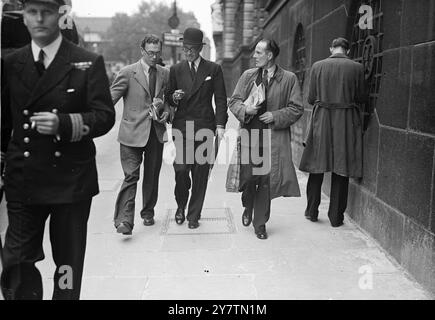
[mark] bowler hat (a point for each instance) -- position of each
(193, 36)
(53, 2)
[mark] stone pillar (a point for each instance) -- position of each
(230, 9)
(218, 28)
(248, 21)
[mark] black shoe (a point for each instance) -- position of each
(247, 218)
(311, 218)
(124, 229)
(180, 217)
(261, 233)
(148, 222)
(337, 225)
(193, 224)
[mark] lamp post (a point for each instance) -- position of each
(173, 23)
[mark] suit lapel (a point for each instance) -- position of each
(139, 75)
(57, 70)
(26, 70)
(202, 73)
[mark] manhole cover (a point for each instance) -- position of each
(213, 221)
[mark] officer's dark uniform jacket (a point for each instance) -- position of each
(43, 169)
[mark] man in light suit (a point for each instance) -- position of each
(56, 99)
(142, 85)
(199, 80)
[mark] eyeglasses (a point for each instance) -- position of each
(190, 50)
(152, 53)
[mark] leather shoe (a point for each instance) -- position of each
(337, 225)
(180, 217)
(262, 235)
(148, 222)
(124, 229)
(311, 218)
(247, 218)
(193, 224)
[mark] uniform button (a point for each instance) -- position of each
(26, 112)
(26, 154)
(26, 126)
(57, 154)
(26, 140)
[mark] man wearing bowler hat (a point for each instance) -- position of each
(192, 84)
(56, 97)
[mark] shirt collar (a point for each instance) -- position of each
(196, 62)
(145, 66)
(271, 71)
(50, 51)
(339, 55)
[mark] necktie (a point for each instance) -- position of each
(40, 63)
(192, 70)
(153, 80)
(265, 78)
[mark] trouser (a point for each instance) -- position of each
(338, 197)
(198, 183)
(131, 160)
(256, 199)
(255, 187)
(21, 279)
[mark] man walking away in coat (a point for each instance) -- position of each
(335, 138)
(192, 85)
(141, 136)
(267, 129)
(57, 99)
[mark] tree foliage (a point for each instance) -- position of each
(127, 31)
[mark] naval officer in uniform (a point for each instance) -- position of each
(56, 97)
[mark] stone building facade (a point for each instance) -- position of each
(395, 201)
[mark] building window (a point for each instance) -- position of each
(366, 48)
(299, 55)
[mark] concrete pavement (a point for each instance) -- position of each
(223, 259)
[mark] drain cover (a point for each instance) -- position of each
(213, 221)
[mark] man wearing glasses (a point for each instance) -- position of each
(192, 84)
(141, 133)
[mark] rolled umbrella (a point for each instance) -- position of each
(217, 142)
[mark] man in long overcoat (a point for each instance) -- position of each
(266, 134)
(56, 98)
(334, 143)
